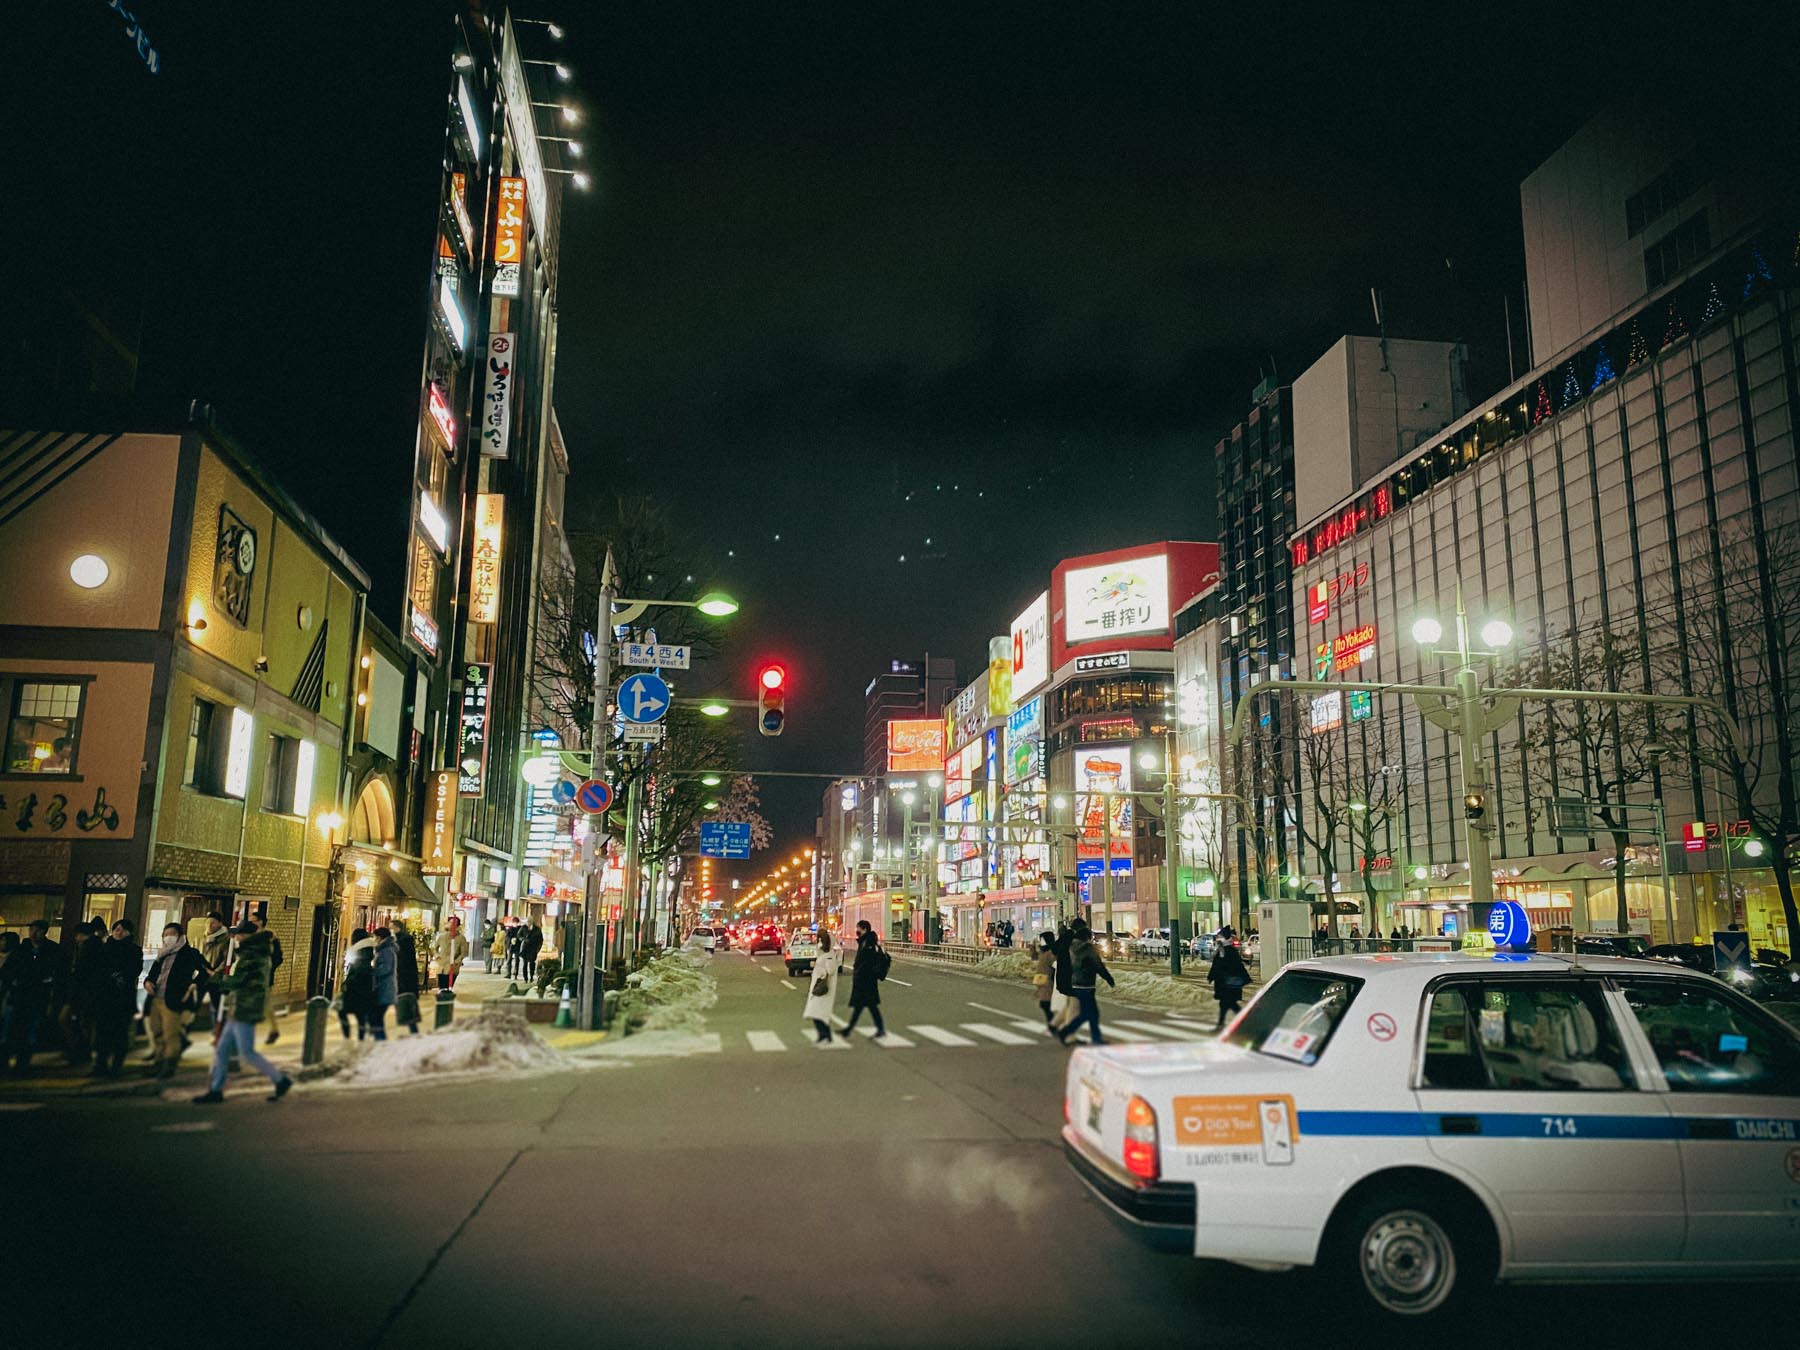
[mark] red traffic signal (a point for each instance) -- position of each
(771, 699)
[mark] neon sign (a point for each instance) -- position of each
(1352, 648)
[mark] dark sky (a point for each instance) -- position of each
(976, 286)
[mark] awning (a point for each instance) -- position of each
(414, 886)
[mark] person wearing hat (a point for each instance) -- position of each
(246, 1001)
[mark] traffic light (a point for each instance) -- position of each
(1475, 806)
(771, 700)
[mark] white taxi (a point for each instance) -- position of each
(1421, 1125)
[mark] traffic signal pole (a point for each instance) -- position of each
(593, 926)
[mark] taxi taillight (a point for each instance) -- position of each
(1140, 1140)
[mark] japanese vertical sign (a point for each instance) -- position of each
(496, 397)
(484, 573)
(509, 236)
(440, 824)
(471, 755)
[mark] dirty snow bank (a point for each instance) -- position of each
(669, 994)
(1140, 986)
(494, 1040)
(1006, 965)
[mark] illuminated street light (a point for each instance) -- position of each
(1427, 631)
(714, 708)
(1497, 633)
(717, 604)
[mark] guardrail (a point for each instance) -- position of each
(941, 951)
(1306, 948)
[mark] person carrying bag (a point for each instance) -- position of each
(823, 992)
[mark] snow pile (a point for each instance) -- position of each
(669, 994)
(492, 1040)
(1140, 986)
(1006, 965)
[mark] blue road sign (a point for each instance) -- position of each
(1730, 949)
(724, 839)
(562, 792)
(593, 796)
(644, 698)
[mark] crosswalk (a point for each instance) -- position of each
(965, 1035)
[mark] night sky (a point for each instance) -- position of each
(893, 305)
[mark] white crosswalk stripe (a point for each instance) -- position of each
(939, 1035)
(1109, 1031)
(1173, 1032)
(1036, 1031)
(892, 1041)
(994, 1033)
(765, 1040)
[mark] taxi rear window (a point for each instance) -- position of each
(1296, 1015)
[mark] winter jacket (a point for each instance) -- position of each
(247, 986)
(386, 992)
(85, 989)
(532, 943)
(406, 962)
(119, 965)
(359, 978)
(825, 967)
(450, 951)
(1228, 968)
(1085, 965)
(1059, 947)
(215, 950)
(29, 979)
(187, 977)
(865, 978)
(1046, 969)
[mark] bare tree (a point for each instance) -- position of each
(1327, 803)
(1742, 651)
(1377, 798)
(1597, 752)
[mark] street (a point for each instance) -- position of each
(736, 1194)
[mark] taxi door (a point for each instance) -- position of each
(1733, 1074)
(1525, 1085)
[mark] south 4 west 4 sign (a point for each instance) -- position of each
(654, 655)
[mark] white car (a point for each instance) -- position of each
(801, 951)
(1153, 942)
(706, 938)
(1421, 1125)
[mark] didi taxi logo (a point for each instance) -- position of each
(1219, 1122)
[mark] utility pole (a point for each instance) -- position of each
(593, 927)
(1171, 884)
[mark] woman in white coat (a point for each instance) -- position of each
(823, 991)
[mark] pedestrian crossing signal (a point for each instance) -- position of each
(771, 700)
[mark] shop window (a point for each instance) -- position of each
(1523, 1036)
(287, 782)
(1712, 1041)
(43, 729)
(218, 749)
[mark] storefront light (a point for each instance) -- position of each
(89, 571)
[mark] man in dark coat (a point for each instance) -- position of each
(865, 979)
(515, 945)
(120, 961)
(406, 976)
(1228, 977)
(29, 983)
(172, 989)
(81, 993)
(1086, 969)
(529, 946)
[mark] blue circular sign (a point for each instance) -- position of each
(1509, 925)
(562, 792)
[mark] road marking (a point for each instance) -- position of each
(1108, 1033)
(1188, 1021)
(21, 1106)
(186, 1127)
(1163, 1029)
(1007, 1013)
(892, 1041)
(1036, 1029)
(995, 1033)
(939, 1035)
(786, 985)
(904, 984)
(765, 1040)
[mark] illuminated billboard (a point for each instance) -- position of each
(1031, 648)
(1099, 771)
(1117, 599)
(915, 745)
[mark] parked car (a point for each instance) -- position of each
(707, 938)
(1421, 1125)
(1153, 942)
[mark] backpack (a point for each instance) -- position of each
(884, 962)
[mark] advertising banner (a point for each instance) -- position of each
(472, 737)
(439, 846)
(1031, 647)
(1117, 599)
(999, 676)
(509, 236)
(915, 745)
(496, 397)
(1098, 771)
(484, 584)
(968, 712)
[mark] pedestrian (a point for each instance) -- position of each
(1321, 937)
(246, 991)
(496, 950)
(387, 990)
(32, 975)
(451, 951)
(866, 975)
(275, 959)
(1044, 976)
(1228, 977)
(81, 993)
(487, 933)
(9, 943)
(215, 950)
(1086, 970)
(359, 982)
(406, 978)
(1062, 1001)
(515, 940)
(1006, 933)
(117, 962)
(529, 946)
(822, 993)
(172, 992)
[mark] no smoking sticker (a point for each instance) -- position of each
(1793, 1164)
(1382, 1027)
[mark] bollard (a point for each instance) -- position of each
(312, 1043)
(446, 1009)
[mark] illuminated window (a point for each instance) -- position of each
(44, 727)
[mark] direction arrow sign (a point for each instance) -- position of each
(655, 655)
(593, 796)
(724, 839)
(643, 698)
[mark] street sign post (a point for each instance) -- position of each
(1731, 951)
(593, 796)
(643, 698)
(724, 839)
(645, 733)
(654, 655)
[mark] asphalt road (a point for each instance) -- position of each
(899, 1195)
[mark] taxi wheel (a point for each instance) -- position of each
(1410, 1253)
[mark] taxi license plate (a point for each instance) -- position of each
(1095, 1100)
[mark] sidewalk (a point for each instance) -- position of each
(475, 988)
